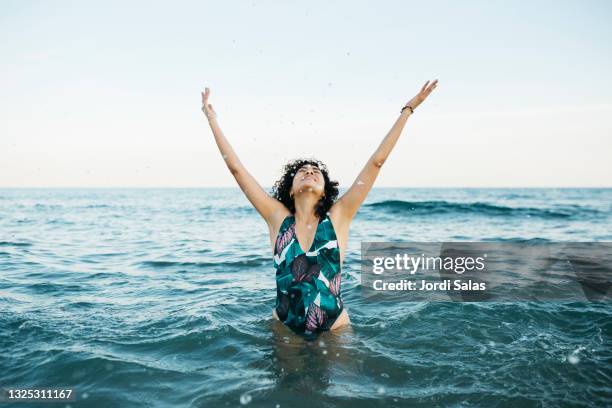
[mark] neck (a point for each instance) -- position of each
(305, 209)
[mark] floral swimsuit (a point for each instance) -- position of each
(308, 296)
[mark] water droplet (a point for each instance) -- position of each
(384, 375)
(85, 395)
(225, 156)
(321, 343)
(309, 226)
(245, 398)
(337, 354)
(573, 357)
(324, 351)
(359, 182)
(381, 390)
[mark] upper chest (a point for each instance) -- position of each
(310, 237)
(306, 234)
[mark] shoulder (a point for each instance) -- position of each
(339, 217)
(276, 221)
(278, 215)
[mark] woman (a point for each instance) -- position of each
(308, 227)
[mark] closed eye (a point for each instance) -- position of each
(314, 170)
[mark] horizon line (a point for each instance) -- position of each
(238, 188)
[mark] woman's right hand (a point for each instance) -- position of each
(207, 107)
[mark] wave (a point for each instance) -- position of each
(60, 288)
(11, 243)
(479, 208)
(254, 261)
(520, 240)
(97, 206)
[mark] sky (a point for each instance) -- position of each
(107, 93)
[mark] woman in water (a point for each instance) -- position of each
(308, 226)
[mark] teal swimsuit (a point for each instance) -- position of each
(308, 296)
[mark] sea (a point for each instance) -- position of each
(142, 297)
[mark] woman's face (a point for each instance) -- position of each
(308, 178)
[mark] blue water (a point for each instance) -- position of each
(163, 297)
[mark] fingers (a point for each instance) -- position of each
(206, 107)
(431, 87)
(424, 86)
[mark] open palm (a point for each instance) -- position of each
(423, 93)
(207, 107)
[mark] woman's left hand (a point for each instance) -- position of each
(423, 93)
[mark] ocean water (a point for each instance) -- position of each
(163, 297)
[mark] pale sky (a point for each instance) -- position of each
(107, 93)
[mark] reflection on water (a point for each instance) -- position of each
(306, 364)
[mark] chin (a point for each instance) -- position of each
(313, 186)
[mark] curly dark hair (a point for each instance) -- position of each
(282, 187)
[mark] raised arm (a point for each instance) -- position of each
(351, 200)
(267, 206)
